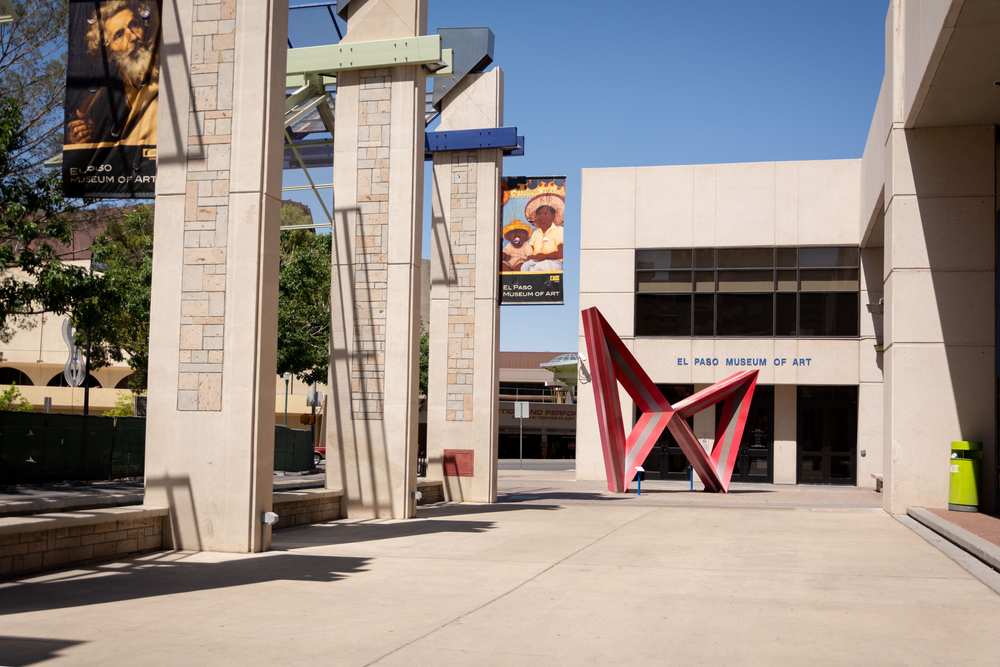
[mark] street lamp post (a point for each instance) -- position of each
(288, 377)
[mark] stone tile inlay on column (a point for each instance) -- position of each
(206, 212)
(372, 261)
(461, 286)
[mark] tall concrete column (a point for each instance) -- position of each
(213, 326)
(463, 374)
(939, 310)
(375, 300)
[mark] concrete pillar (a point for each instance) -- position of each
(939, 309)
(463, 375)
(213, 325)
(375, 302)
(785, 436)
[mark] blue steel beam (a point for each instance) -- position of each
(471, 140)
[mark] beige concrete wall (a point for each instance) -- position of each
(463, 398)
(939, 321)
(927, 27)
(873, 168)
(209, 445)
(753, 204)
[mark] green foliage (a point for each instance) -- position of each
(124, 405)
(294, 215)
(117, 317)
(33, 73)
(33, 214)
(12, 395)
(304, 305)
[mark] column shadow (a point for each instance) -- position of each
(166, 573)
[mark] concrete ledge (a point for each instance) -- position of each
(44, 542)
(37, 522)
(432, 490)
(43, 505)
(304, 506)
(985, 551)
(878, 482)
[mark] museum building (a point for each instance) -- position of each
(864, 291)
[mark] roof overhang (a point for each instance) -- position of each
(960, 87)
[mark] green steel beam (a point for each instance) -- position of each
(318, 186)
(7, 13)
(333, 58)
(302, 111)
(312, 85)
(316, 225)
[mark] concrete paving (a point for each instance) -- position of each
(560, 574)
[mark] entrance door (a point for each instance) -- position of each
(827, 435)
(755, 460)
(666, 460)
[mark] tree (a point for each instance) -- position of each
(293, 214)
(33, 215)
(33, 73)
(124, 405)
(12, 395)
(117, 317)
(304, 305)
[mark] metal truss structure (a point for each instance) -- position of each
(312, 76)
(311, 83)
(612, 363)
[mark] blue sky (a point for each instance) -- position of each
(600, 84)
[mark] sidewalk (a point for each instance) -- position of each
(23, 500)
(559, 574)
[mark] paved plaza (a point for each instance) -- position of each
(558, 573)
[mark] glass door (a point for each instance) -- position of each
(666, 460)
(755, 460)
(827, 435)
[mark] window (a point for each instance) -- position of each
(748, 292)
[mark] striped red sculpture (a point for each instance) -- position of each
(611, 363)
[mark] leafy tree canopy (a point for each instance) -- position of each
(33, 73)
(33, 215)
(12, 400)
(117, 317)
(304, 304)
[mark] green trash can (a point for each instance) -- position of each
(966, 461)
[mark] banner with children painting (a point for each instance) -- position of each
(531, 245)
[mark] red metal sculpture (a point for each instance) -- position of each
(611, 363)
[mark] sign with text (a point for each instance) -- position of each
(531, 243)
(112, 87)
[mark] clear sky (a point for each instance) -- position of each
(616, 84)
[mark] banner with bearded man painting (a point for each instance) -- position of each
(112, 82)
(531, 243)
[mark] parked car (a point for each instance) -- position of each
(319, 455)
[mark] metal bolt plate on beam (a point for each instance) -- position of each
(333, 58)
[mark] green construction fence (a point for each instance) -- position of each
(40, 448)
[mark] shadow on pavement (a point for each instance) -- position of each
(24, 651)
(164, 574)
(502, 505)
(339, 532)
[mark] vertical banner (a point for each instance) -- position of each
(112, 83)
(531, 246)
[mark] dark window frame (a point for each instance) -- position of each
(846, 259)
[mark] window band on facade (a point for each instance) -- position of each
(805, 292)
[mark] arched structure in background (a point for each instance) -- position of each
(10, 376)
(59, 380)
